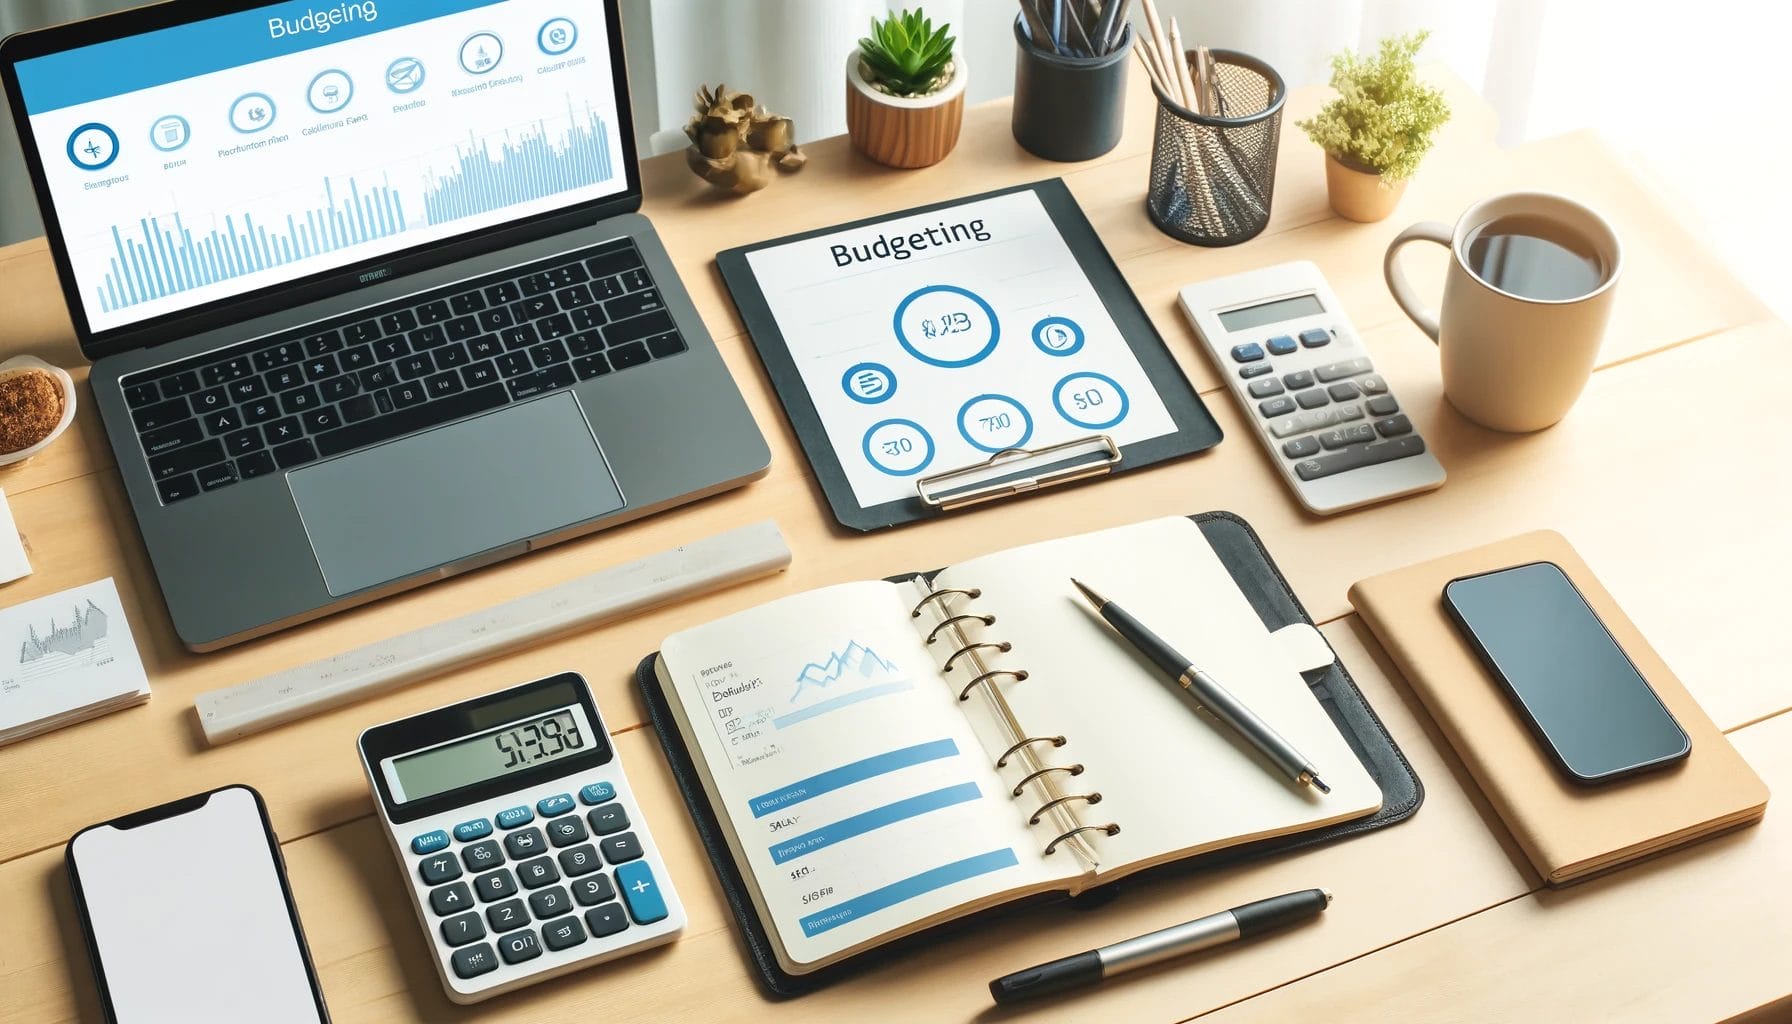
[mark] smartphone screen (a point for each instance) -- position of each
(189, 917)
(1583, 697)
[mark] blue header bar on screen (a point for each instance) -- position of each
(215, 44)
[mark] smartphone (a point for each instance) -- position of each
(1585, 701)
(188, 916)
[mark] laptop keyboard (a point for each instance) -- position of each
(385, 371)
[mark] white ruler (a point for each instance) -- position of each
(741, 554)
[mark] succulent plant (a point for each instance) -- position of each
(906, 55)
(735, 143)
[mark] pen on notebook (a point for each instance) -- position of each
(1207, 693)
(1097, 965)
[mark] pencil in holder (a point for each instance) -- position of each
(1212, 177)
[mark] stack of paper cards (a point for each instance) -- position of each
(66, 658)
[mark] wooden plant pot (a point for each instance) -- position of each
(1358, 194)
(904, 131)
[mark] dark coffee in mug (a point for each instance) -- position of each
(1535, 258)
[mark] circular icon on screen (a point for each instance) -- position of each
(330, 91)
(252, 112)
(93, 146)
(948, 326)
(557, 36)
(481, 53)
(898, 447)
(404, 75)
(1092, 400)
(170, 133)
(994, 423)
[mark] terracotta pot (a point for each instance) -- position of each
(1358, 194)
(904, 131)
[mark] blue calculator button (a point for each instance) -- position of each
(552, 805)
(597, 793)
(641, 892)
(515, 816)
(430, 842)
(478, 828)
(1281, 345)
(1314, 337)
(1247, 353)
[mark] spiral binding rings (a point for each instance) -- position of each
(1093, 798)
(1110, 828)
(947, 622)
(1004, 646)
(973, 594)
(1056, 741)
(1019, 677)
(1075, 769)
(1058, 810)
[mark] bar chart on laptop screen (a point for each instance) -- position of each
(239, 160)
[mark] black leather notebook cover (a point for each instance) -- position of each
(1244, 556)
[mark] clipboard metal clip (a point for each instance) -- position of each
(1015, 471)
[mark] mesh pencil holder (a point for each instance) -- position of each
(1212, 178)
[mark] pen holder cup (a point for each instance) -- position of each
(1068, 108)
(1212, 177)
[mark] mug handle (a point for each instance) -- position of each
(1427, 231)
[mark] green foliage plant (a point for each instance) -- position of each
(1384, 119)
(906, 55)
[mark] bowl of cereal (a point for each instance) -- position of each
(37, 403)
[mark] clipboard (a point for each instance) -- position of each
(1007, 471)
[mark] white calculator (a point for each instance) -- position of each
(1305, 382)
(523, 845)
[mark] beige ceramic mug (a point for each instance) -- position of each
(1514, 362)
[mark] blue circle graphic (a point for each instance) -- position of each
(995, 326)
(869, 383)
(312, 88)
(1026, 419)
(158, 135)
(267, 120)
(568, 35)
(880, 467)
(405, 75)
(93, 161)
(1058, 400)
(1041, 337)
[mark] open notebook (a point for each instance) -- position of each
(861, 798)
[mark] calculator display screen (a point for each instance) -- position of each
(1271, 312)
(512, 747)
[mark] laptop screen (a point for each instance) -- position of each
(207, 160)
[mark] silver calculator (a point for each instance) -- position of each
(1333, 428)
(524, 849)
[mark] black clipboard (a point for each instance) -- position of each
(1004, 474)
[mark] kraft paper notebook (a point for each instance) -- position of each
(1568, 831)
(857, 784)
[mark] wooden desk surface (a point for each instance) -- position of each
(1679, 507)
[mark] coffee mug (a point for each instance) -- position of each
(1526, 300)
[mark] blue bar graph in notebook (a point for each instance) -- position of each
(154, 259)
(522, 168)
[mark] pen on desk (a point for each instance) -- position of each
(1207, 693)
(1097, 965)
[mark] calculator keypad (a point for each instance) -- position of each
(1319, 414)
(507, 898)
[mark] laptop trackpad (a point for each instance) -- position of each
(438, 497)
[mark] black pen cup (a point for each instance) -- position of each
(1068, 108)
(1213, 176)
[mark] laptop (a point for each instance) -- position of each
(366, 292)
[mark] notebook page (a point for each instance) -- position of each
(1176, 782)
(851, 785)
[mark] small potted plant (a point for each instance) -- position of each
(905, 91)
(1378, 129)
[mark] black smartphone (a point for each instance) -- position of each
(188, 916)
(1583, 698)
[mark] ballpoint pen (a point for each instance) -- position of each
(1097, 965)
(1208, 694)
